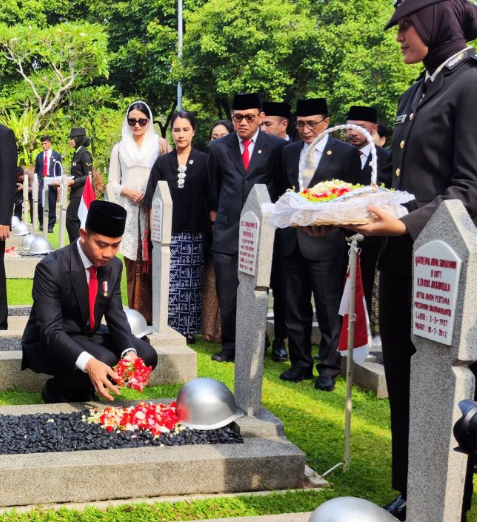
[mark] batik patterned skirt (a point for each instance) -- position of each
(185, 287)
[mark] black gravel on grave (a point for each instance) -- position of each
(379, 357)
(69, 432)
(19, 310)
(10, 344)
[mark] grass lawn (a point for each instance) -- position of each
(314, 421)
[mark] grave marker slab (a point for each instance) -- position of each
(252, 301)
(440, 377)
(161, 227)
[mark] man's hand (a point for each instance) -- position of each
(385, 224)
(70, 182)
(98, 373)
(4, 232)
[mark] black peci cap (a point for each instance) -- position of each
(405, 8)
(277, 109)
(245, 101)
(360, 113)
(105, 218)
(77, 131)
(311, 107)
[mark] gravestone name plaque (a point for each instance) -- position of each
(248, 243)
(156, 220)
(436, 279)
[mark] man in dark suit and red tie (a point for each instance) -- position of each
(8, 183)
(47, 164)
(236, 163)
(73, 289)
(315, 265)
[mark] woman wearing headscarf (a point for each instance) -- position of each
(81, 168)
(129, 168)
(434, 157)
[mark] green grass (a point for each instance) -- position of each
(314, 421)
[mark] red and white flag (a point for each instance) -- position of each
(86, 199)
(362, 331)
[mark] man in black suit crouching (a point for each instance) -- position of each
(315, 265)
(236, 163)
(73, 288)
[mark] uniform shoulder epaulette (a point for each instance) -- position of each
(456, 60)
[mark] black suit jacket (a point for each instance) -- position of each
(338, 161)
(61, 309)
(8, 174)
(230, 185)
(434, 152)
(384, 176)
(54, 169)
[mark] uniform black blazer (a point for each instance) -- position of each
(434, 152)
(81, 167)
(61, 309)
(8, 174)
(189, 208)
(230, 185)
(339, 161)
(384, 176)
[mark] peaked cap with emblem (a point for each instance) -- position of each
(405, 8)
(77, 131)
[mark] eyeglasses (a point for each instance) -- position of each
(239, 117)
(141, 121)
(310, 124)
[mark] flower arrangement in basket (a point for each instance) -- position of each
(335, 202)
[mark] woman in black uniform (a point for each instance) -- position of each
(81, 168)
(434, 157)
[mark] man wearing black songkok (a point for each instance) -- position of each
(73, 289)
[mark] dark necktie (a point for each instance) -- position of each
(92, 292)
(245, 153)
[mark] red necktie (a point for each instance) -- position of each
(92, 292)
(45, 164)
(245, 154)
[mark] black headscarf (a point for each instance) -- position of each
(445, 28)
(81, 141)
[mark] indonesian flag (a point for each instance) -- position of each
(362, 331)
(86, 199)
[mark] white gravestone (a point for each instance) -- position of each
(161, 227)
(248, 243)
(26, 203)
(445, 336)
(45, 201)
(34, 194)
(252, 303)
(63, 209)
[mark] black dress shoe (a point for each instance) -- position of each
(279, 352)
(293, 375)
(397, 508)
(325, 383)
(50, 231)
(190, 339)
(50, 395)
(223, 357)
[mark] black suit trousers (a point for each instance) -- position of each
(325, 280)
(72, 384)
(226, 282)
(72, 219)
(3, 290)
(52, 198)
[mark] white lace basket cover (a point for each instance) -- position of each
(293, 210)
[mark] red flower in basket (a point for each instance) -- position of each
(132, 373)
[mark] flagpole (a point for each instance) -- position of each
(353, 252)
